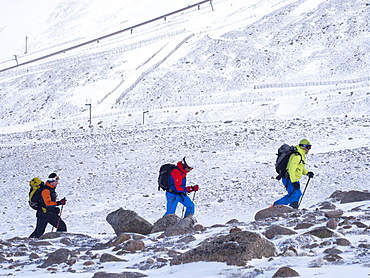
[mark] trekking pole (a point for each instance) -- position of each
(304, 191)
(60, 216)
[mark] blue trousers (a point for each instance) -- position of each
(293, 195)
(173, 199)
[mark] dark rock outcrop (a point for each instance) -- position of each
(350, 196)
(234, 249)
(128, 221)
(285, 272)
(119, 275)
(183, 227)
(165, 222)
(276, 211)
(59, 256)
(275, 230)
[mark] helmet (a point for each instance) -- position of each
(188, 162)
(304, 142)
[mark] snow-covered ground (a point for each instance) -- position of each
(227, 83)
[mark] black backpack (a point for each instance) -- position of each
(283, 155)
(164, 177)
(34, 196)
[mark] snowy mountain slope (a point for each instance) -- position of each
(201, 80)
(227, 86)
(203, 60)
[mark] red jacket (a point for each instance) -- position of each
(178, 178)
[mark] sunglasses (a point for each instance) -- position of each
(308, 147)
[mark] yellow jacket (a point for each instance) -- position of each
(296, 165)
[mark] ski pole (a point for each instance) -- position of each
(304, 191)
(60, 216)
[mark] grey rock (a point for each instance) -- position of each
(110, 258)
(332, 224)
(285, 272)
(59, 256)
(323, 232)
(343, 242)
(275, 211)
(350, 196)
(134, 245)
(234, 249)
(165, 222)
(333, 214)
(183, 227)
(127, 221)
(332, 251)
(274, 230)
(119, 275)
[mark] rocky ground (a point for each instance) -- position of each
(334, 232)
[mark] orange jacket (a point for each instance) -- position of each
(49, 196)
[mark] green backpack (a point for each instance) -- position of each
(36, 186)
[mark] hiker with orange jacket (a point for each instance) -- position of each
(179, 190)
(48, 211)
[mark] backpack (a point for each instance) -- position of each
(283, 155)
(36, 186)
(164, 177)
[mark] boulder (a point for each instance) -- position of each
(343, 242)
(326, 205)
(285, 272)
(332, 224)
(234, 249)
(334, 214)
(59, 256)
(275, 230)
(110, 258)
(304, 225)
(183, 227)
(350, 196)
(127, 221)
(275, 211)
(134, 245)
(323, 232)
(165, 222)
(119, 275)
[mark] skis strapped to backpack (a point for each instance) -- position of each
(164, 177)
(283, 155)
(36, 186)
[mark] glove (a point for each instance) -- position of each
(296, 185)
(62, 202)
(310, 175)
(192, 188)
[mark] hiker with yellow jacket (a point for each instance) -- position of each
(295, 169)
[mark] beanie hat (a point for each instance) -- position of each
(53, 177)
(304, 142)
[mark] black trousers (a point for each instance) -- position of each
(43, 219)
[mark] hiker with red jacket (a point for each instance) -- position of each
(179, 189)
(295, 169)
(48, 211)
